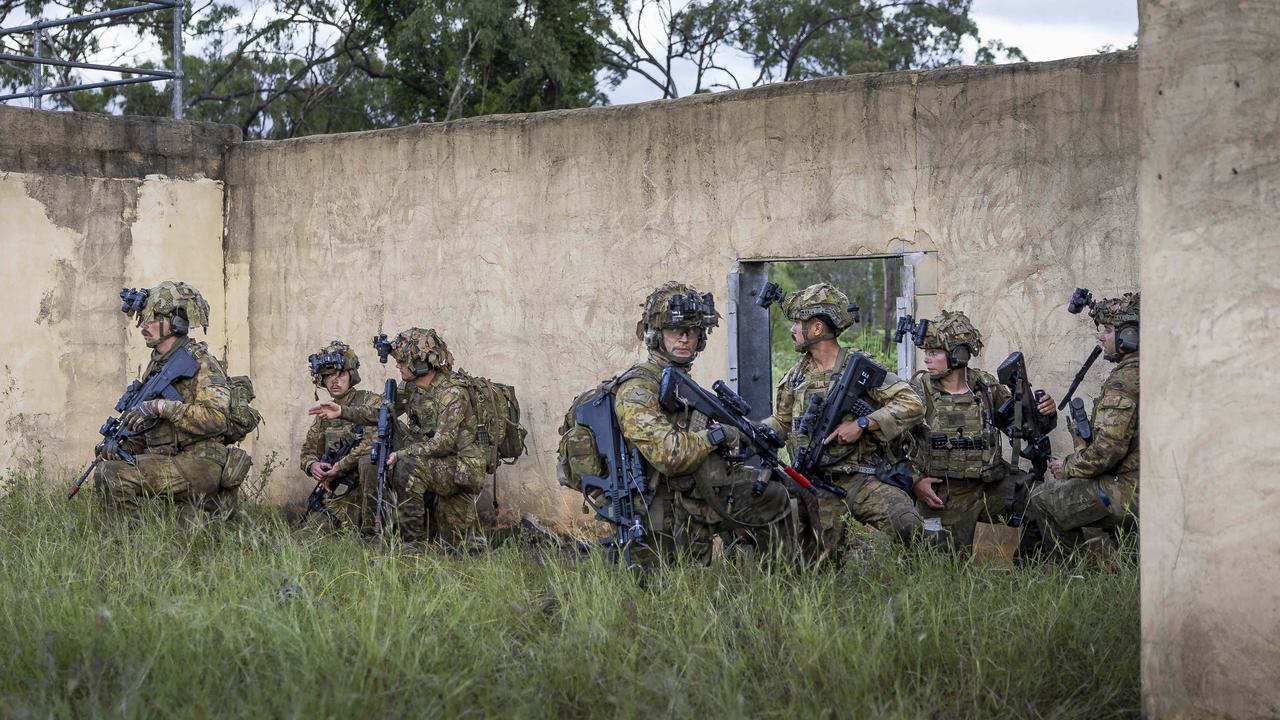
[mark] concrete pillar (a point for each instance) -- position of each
(1209, 226)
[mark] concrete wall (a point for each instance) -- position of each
(529, 241)
(86, 212)
(1209, 192)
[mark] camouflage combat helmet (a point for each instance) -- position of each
(333, 358)
(676, 305)
(820, 300)
(1119, 311)
(1122, 313)
(421, 350)
(955, 334)
(170, 298)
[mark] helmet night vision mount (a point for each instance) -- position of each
(909, 325)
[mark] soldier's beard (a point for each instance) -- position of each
(152, 342)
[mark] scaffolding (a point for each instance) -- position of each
(39, 59)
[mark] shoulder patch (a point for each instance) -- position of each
(639, 395)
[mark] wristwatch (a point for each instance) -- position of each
(863, 422)
(716, 435)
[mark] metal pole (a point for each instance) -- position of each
(37, 80)
(177, 60)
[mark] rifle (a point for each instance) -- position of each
(315, 501)
(823, 415)
(624, 486)
(1084, 370)
(179, 366)
(382, 446)
(678, 391)
(1022, 421)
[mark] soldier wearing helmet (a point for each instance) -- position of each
(698, 494)
(965, 478)
(861, 448)
(178, 447)
(336, 368)
(1097, 485)
(438, 467)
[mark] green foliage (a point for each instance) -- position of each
(457, 58)
(260, 619)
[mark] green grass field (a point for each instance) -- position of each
(262, 620)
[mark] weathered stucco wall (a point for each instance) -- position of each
(1209, 192)
(529, 241)
(84, 215)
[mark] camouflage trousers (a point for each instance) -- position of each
(870, 502)
(429, 498)
(1063, 509)
(191, 478)
(968, 502)
(680, 523)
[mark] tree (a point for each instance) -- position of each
(786, 39)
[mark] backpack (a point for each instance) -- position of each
(577, 454)
(242, 418)
(497, 419)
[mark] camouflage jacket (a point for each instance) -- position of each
(206, 401)
(440, 420)
(900, 411)
(673, 444)
(972, 414)
(1114, 449)
(359, 408)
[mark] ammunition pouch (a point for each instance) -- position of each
(948, 442)
(235, 469)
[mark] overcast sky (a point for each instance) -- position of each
(1043, 29)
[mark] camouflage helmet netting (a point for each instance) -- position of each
(350, 361)
(421, 345)
(819, 299)
(951, 330)
(1117, 311)
(171, 296)
(658, 312)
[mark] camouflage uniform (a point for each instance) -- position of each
(697, 495)
(181, 457)
(359, 409)
(959, 441)
(440, 468)
(855, 469)
(1100, 489)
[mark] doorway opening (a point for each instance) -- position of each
(884, 287)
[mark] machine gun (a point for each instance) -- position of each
(382, 446)
(179, 366)
(616, 495)
(678, 391)
(850, 395)
(1022, 422)
(315, 501)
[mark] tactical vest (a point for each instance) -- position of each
(960, 440)
(837, 459)
(164, 438)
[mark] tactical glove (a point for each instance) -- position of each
(144, 414)
(100, 450)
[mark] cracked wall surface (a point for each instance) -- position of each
(1209, 190)
(91, 204)
(529, 241)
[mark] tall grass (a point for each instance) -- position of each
(261, 619)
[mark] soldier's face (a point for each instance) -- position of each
(337, 383)
(1107, 339)
(935, 360)
(405, 372)
(680, 342)
(153, 331)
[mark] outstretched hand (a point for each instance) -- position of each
(327, 410)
